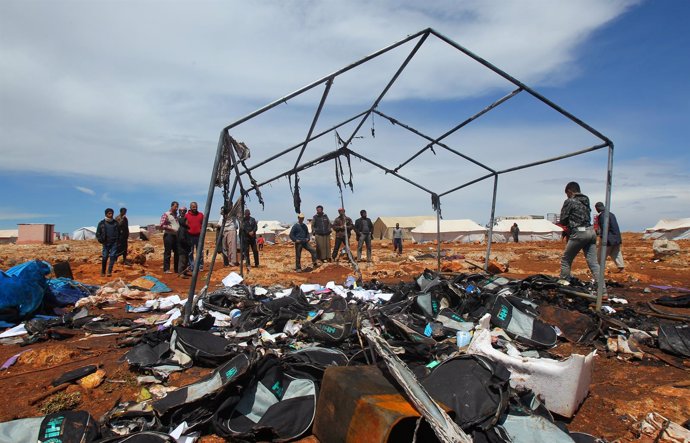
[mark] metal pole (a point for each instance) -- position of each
(438, 235)
(401, 68)
(202, 236)
(424, 32)
(491, 225)
(518, 83)
(221, 230)
(428, 146)
(601, 283)
(329, 83)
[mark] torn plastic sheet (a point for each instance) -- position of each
(15, 331)
(562, 384)
(232, 279)
(179, 434)
(11, 361)
(623, 345)
(662, 429)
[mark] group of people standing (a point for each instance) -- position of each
(181, 232)
(182, 229)
(113, 234)
(322, 227)
(245, 229)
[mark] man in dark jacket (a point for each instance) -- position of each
(300, 235)
(248, 237)
(364, 229)
(321, 228)
(123, 235)
(515, 230)
(614, 239)
(107, 234)
(575, 215)
(184, 244)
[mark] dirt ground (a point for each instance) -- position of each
(621, 392)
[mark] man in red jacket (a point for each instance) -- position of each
(195, 220)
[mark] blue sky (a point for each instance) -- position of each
(110, 104)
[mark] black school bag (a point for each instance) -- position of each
(520, 319)
(333, 327)
(314, 360)
(277, 404)
(68, 427)
(474, 387)
(195, 403)
(204, 347)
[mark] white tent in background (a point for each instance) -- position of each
(135, 232)
(669, 229)
(460, 231)
(383, 226)
(530, 230)
(84, 233)
(269, 229)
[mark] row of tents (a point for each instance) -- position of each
(422, 229)
(426, 229)
(89, 233)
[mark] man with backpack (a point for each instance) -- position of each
(107, 234)
(575, 215)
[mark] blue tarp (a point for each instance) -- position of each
(159, 286)
(64, 291)
(22, 289)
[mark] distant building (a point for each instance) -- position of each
(35, 233)
(8, 236)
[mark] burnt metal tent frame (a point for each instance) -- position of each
(230, 155)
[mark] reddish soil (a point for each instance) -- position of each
(621, 392)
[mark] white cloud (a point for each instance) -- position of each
(139, 97)
(85, 190)
(9, 214)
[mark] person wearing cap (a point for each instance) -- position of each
(364, 229)
(342, 225)
(169, 225)
(300, 235)
(321, 228)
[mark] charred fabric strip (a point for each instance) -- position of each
(436, 203)
(296, 199)
(224, 165)
(243, 154)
